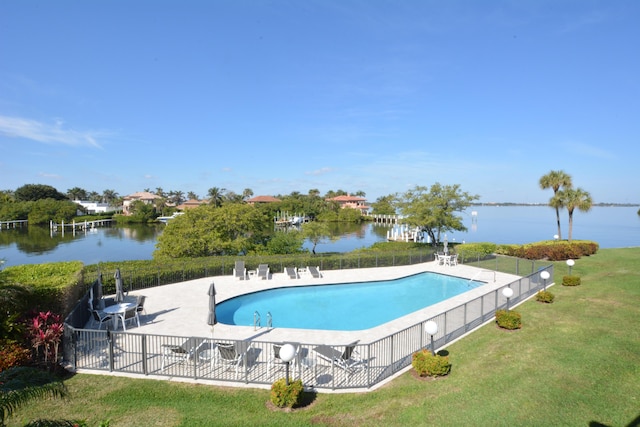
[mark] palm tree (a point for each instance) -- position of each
(192, 195)
(572, 199)
(216, 196)
(556, 180)
(20, 385)
(109, 196)
(247, 193)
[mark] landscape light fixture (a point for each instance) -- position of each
(431, 328)
(287, 353)
(570, 263)
(508, 293)
(544, 275)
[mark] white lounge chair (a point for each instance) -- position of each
(263, 271)
(349, 359)
(314, 272)
(232, 355)
(180, 353)
(240, 271)
(291, 272)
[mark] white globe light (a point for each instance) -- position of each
(507, 292)
(545, 275)
(287, 353)
(570, 262)
(431, 327)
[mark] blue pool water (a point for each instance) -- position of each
(342, 307)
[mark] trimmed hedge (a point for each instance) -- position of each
(55, 286)
(286, 396)
(551, 250)
(429, 365)
(571, 280)
(508, 319)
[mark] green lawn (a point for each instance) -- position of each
(575, 362)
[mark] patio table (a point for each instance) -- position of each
(118, 311)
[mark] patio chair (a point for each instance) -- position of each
(100, 317)
(275, 357)
(314, 271)
(349, 359)
(453, 260)
(180, 353)
(291, 272)
(140, 304)
(263, 271)
(129, 315)
(240, 271)
(230, 356)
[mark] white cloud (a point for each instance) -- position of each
(17, 127)
(320, 171)
(49, 175)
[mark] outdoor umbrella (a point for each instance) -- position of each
(96, 293)
(119, 289)
(446, 245)
(211, 317)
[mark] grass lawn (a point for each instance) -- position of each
(575, 362)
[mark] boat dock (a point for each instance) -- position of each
(86, 226)
(13, 224)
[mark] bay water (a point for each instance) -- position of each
(610, 227)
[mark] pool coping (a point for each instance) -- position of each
(181, 309)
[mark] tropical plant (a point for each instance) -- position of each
(46, 331)
(216, 196)
(556, 180)
(21, 385)
(573, 199)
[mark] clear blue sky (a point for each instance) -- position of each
(282, 96)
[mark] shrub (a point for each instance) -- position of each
(428, 365)
(475, 251)
(284, 396)
(508, 319)
(545, 296)
(13, 354)
(551, 250)
(571, 280)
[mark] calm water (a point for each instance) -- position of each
(611, 227)
(344, 307)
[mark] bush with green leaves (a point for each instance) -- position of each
(475, 251)
(429, 365)
(550, 249)
(508, 319)
(571, 280)
(286, 396)
(545, 296)
(13, 354)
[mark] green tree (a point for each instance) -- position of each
(383, 206)
(21, 385)
(247, 193)
(216, 196)
(77, 193)
(316, 232)
(109, 196)
(231, 229)
(45, 210)
(434, 209)
(573, 199)
(192, 195)
(556, 180)
(33, 192)
(142, 212)
(285, 242)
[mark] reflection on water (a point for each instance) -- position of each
(611, 227)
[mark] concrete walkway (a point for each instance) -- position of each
(181, 309)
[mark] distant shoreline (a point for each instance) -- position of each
(613, 205)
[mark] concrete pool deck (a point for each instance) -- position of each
(181, 309)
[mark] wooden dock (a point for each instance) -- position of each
(386, 219)
(86, 226)
(13, 224)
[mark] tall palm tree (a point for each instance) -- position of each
(572, 199)
(216, 195)
(556, 180)
(109, 196)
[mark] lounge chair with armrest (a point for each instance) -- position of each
(240, 271)
(181, 353)
(349, 359)
(314, 272)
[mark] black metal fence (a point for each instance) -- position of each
(199, 357)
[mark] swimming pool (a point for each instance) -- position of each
(343, 307)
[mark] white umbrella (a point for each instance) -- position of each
(446, 245)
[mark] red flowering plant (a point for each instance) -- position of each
(46, 331)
